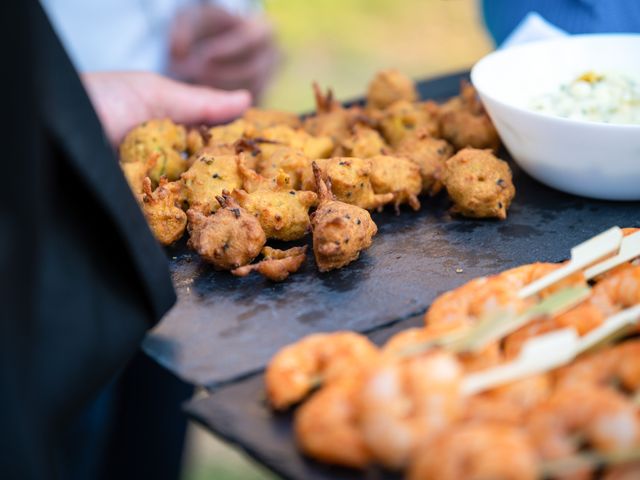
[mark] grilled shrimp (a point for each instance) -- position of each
(326, 427)
(477, 451)
(319, 358)
(583, 413)
(405, 402)
(619, 365)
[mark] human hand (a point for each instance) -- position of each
(123, 100)
(209, 46)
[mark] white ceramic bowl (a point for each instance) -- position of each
(596, 160)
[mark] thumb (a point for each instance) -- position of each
(192, 104)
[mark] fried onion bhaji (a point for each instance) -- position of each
(331, 118)
(209, 175)
(162, 209)
(364, 142)
(340, 231)
(282, 211)
(272, 138)
(291, 161)
(479, 184)
(399, 176)
(261, 119)
(402, 118)
(389, 86)
(465, 123)
(160, 137)
(430, 154)
(351, 181)
(229, 238)
(276, 265)
(136, 172)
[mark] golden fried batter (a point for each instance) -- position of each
(351, 181)
(364, 142)
(272, 138)
(209, 175)
(340, 231)
(389, 86)
(479, 184)
(162, 210)
(402, 118)
(261, 119)
(136, 172)
(464, 122)
(331, 118)
(291, 161)
(229, 238)
(282, 211)
(430, 154)
(399, 176)
(162, 138)
(276, 264)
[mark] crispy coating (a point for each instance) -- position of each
(160, 137)
(136, 172)
(340, 231)
(464, 122)
(276, 264)
(282, 211)
(331, 118)
(479, 184)
(402, 118)
(261, 119)
(399, 176)
(389, 86)
(364, 142)
(209, 175)
(229, 238)
(272, 138)
(162, 210)
(350, 180)
(430, 154)
(291, 161)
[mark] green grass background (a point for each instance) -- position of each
(342, 43)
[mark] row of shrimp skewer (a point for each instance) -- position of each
(403, 408)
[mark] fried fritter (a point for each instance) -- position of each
(162, 209)
(340, 231)
(209, 175)
(160, 137)
(282, 211)
(261, 119)
(399, 176)
(430, 154)
(272, 138)
(389, 86)
(291, 161)
(136, 172)
(402, 118)
(351, 181)
(276, 264)
(331, 118)
(479, 184)
(229, 238)
(364, 142)
(464, 122)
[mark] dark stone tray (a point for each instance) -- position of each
(224, 328)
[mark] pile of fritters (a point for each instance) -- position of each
(236, 186)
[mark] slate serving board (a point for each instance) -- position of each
(224, 328)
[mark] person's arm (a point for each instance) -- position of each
(123, 100)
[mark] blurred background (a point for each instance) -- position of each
(342, 44)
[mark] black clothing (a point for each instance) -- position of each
(82, 276)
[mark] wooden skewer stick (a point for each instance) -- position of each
(583, 255)
(629, 249)
(549, 351)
